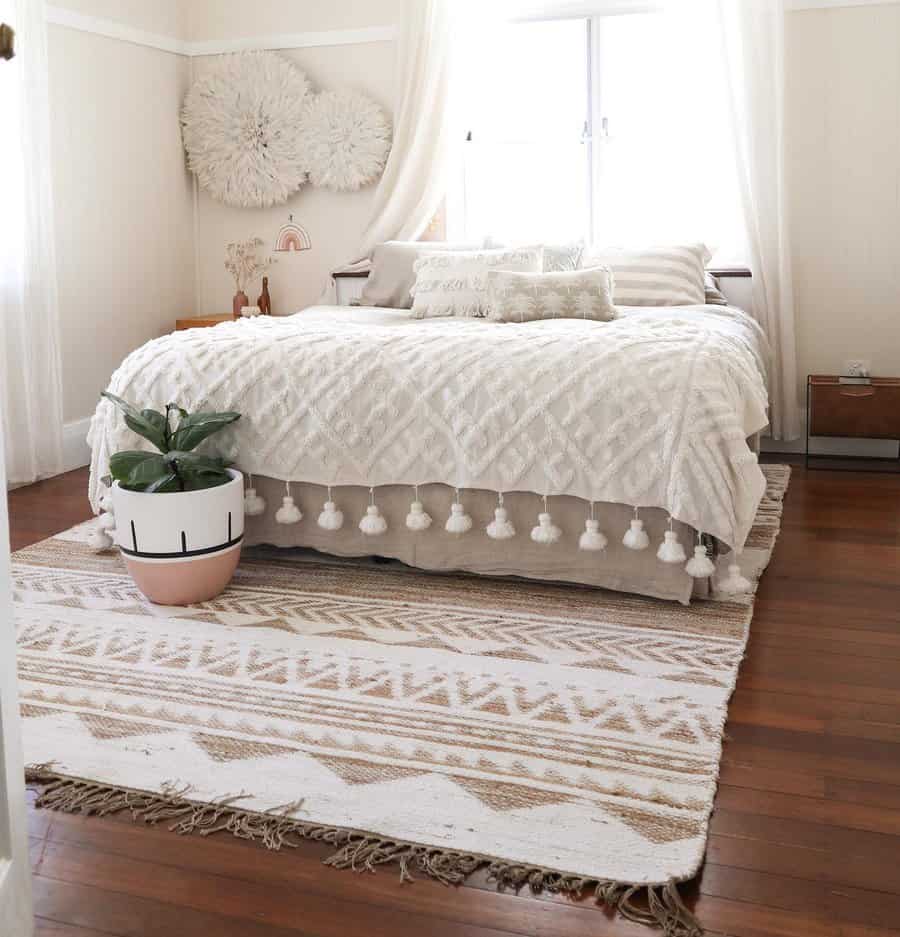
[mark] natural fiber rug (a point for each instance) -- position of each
(568, 738)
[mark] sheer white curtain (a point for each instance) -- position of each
(414, 180)
(752, 37)
(30, 388)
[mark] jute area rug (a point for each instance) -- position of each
(567, 738)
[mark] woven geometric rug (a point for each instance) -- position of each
(565, 737)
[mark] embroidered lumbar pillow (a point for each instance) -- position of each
(570, 294)
(454, 283)
(655, 276)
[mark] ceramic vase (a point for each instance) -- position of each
(181, 547)
(240, 300)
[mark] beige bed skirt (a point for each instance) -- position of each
(616, 567)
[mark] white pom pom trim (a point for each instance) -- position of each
(330, 518)
(288, 513)
(373, 524)
(501, 527)
(458, 522)
(636, 537)
(418, 518)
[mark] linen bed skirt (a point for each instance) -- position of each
(616, 567)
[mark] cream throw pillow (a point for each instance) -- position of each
(655, 276)
(570, 294)
(455, 283)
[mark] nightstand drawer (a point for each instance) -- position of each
(870, 411)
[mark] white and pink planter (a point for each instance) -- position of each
(181, 547)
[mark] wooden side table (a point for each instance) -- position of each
(855, 408)
(202, 322)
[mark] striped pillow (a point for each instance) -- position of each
(654, 276)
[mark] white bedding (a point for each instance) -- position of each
(651, 409)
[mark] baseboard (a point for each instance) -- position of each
(76, 451)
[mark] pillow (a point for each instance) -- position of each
(391, 279)
(556, 256)
(455, 283)
(714, 296)
(569, 294)
(655, 276)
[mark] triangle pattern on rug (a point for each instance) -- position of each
(655, 827)
(105, 727)
(359, 771)
(502, 796)
(223, 748)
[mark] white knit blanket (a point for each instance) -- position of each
(652, 409)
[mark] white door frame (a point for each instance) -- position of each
(15, 870)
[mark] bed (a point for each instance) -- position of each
(646, 417)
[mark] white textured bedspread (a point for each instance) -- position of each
(652, 409)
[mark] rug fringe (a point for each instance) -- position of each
(662, 908)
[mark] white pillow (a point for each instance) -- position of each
(655, 276)
(454, 283)
(570, 294)
(556, 256)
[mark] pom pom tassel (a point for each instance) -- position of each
(501, 527)
(106, 502)
(458, 522)
(700, 566)
(418, 518)
(735, 583)
(636, 537)
(100, 539)
(671, 550)
(330, 518)
(288, 513)
(373, 524)
(545, 531)
(253, 503)
(592, 539)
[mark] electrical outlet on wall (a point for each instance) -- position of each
(857, 367)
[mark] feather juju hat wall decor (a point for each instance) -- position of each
(241, 126)
(345, 138)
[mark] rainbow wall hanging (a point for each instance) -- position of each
(292, 237)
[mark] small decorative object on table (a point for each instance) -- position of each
(177, 516)
(265, 301)
(250, 311)
(857, 408)
(243, 264)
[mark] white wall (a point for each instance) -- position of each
(844, 163)
(124, 217)
(334, 220)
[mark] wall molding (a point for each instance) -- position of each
(60, 16)
(309, 40)
(75, 450)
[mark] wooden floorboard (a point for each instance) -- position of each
(804, 840)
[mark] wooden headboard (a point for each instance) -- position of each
(733, 281)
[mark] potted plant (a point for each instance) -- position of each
(178, 514)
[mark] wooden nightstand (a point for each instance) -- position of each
(855, 408)
(202, 322)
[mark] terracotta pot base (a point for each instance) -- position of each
(184, 582)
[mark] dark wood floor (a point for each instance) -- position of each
(805, 838)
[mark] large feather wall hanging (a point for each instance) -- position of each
(254, 133)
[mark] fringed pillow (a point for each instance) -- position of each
(455, 283)
(570, 294)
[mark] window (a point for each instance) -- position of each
(610, 128)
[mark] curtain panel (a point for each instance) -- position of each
(30, 383)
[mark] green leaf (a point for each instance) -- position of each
(147, 423)
(166, 483)
(195, 427)
(123, 463)
(147, 472)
